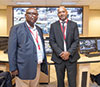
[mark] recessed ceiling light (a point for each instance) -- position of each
(68, 3)
(23, 3)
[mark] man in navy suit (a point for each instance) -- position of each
(64, 41)
(26, 51)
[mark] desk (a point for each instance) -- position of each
(4, 61)
(83, 76)
(5, 67)
(83, 69)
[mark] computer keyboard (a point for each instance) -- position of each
(92, 55)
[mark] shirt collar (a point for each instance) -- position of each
(30, 26)
(62, 21)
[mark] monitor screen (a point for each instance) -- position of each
(48, 15)
(98, 44)
(87, 46)
(47, 47)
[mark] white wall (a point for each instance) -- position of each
(94, 23)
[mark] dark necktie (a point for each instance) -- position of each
(63, 22)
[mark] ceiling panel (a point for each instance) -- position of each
(20, 0)
(38, 2)
(4, 1)
(53, 2)
(94, 3)
(69, 0)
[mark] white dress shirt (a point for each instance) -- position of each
(40, 53)
(65, 25)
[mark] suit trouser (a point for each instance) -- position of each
(71, 73)
(29, 83)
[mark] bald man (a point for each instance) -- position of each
(26, 51)
(64, 41)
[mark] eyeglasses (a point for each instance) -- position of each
(31, 13)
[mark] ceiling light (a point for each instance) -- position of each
(68, 3)
(23, 3)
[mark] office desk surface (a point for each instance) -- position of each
(83, 59)
(3, 57)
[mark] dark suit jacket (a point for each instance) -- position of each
(22, 52)
(57, 41)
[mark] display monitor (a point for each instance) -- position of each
(47, 47)
(48, 15)
(98, 44)
(87, 46)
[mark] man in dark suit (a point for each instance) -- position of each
(26, 51)
(64, 40)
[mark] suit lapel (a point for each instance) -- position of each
(39, 31)
(59, 29)
(67, 30)
(28, 32)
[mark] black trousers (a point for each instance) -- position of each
(71, 73)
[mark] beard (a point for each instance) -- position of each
(31, 23)
(62, 17)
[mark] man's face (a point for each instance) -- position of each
(62, 13)
(31, 15)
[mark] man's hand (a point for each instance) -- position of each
(65, 55)
(14, 73)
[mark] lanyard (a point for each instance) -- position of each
(35, 38)
(64, 35)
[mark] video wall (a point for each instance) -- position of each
(48, 15)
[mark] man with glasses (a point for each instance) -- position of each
(26, 51)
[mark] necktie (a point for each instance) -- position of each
(63, 24)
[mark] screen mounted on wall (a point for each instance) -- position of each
(48, 15)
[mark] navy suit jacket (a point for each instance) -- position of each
(22, 52)
(57, 41)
